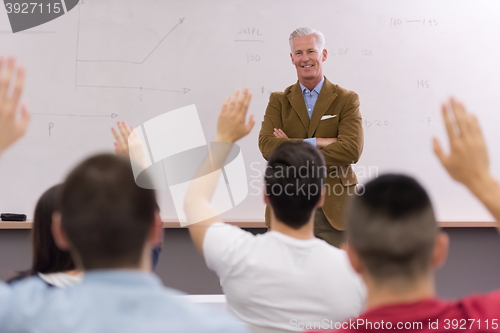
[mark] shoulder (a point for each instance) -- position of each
(288, 90)
(291, 88)
(340, 91)
(20, 276)
(481, 305)
(226, 230)
(334, 256)
(222, 237)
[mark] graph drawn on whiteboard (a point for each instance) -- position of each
(115, 72)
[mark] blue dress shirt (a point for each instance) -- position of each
(107, 301)
(310, 97)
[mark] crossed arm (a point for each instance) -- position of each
(320, 142)
(342, 150)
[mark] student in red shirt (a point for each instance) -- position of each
(395, 244)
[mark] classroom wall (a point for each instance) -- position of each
(129, 60)
(473, 264)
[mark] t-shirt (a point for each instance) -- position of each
(273, 280)
(478, 313)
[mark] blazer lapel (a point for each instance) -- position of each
(325, 98)
(296, 99)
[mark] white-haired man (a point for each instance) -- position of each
(323, 114)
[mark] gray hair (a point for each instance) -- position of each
(306, 31)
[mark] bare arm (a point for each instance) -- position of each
(467, 161)
(231, 127)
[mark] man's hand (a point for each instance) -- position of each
(467, 161)
(323, 142)
(11, 129)
(232, 124)
(280, 134)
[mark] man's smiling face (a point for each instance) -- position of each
(308, 58)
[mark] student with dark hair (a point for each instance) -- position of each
(109, 224)
(49, 263)
(278, 281)
(395, 244)
(122, 149)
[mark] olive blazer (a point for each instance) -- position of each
(335, 115)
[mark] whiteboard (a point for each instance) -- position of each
(108, 60)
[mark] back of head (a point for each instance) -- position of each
(294, 179)
(306, 31)
(105, 215)
(392, 228)
(47, 257)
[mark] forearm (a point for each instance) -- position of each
(199, 211)
(267, 144)
(487, 190)
(341, 153)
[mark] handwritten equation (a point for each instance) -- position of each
(427, 121)
(249, 34)
(375, 123)
(398, 22)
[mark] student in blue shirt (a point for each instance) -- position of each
(109, 225)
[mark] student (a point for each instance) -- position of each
(122, 149)
(279, 280)
(49, 263)
(109, 225)
(395, 244)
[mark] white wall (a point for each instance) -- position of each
(402, 71)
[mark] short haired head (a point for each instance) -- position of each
(47, 257)
(306, 31)
(105, 215)
(294, 179)
(392, 229)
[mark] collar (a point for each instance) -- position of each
(122, 276)
(317, 89)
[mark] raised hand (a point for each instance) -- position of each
(128, 144)
(121, 136)
(11, 128)
(232, 124)
(467, 161)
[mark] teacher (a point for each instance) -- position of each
(325, 115)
